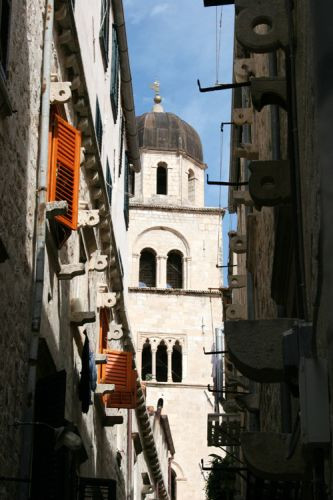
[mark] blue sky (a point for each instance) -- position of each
(174, 41)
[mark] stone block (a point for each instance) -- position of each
(69, 271)
(266, 455)
(255, 347)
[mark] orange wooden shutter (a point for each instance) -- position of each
(118, 370)
(65, 169)
(103, 340)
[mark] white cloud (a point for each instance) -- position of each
(158, 9)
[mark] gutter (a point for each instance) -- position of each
(40, 232)
(126, 87)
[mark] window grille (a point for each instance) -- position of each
(98, 126)
(114, 90)
(104, 31)
(108, 182)
(161, 180)
(174, 270)
(101, 489)
(147, 274)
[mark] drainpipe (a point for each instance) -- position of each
(38, 282)
(126, 86)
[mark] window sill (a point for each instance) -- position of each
(5, 105)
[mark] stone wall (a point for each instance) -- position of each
(18, 162)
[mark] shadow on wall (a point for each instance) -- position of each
(18, 160)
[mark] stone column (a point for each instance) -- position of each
(161, 271)
(187, 272)
(153, 364)
(170, 348)
(135, 269)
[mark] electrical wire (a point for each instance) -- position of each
(218, 38)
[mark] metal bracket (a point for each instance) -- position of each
(222, 183)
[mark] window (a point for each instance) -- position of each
(64, 169)
(114, 90)
(161, 179)
(146, 362)
(176, 363)
(175, 270)
(147, 273)
(104, 31)
(121, 145)
(191, 186)
(4, 35)
(131, 182)
(98, 126)
(91, 488)
(126, 194)
(162, 363)
(108, 182)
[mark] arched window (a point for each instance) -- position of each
(147, 273)
(146, 362)
(162, 363)
(191, 186)
(175, 270)
(176, 363)
(162, 179)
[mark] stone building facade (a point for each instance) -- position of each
(277, 333)
(175, 296)
(69, 427)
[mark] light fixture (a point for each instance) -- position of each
(63, 436)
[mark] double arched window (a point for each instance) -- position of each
(162, 179)
(175, 269)
(147, 273)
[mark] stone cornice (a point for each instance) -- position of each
(173, 208)
(159, 151)
(214, 292)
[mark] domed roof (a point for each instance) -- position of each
(167, 132)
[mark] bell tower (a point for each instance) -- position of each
(175, 300)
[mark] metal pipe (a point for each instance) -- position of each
(40, 230)
(219, 368)
(126, 86)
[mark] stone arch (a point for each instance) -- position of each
(184, 248)
(179, 471)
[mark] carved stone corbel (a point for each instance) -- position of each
(60, 92)
(244, 69)
(88, 218)
(98, 262)
(105, 299)
(115, 332)
(242, 116)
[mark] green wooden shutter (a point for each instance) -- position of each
(114, 90)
